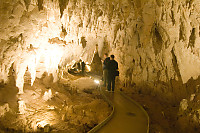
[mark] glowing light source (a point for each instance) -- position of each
(41, 124)
(88, 68)
(42, 120)
(87, 65)
(22, 107)
(47, 95)
(97, 81)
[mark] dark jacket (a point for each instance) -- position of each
(112, 67)
(105, 63)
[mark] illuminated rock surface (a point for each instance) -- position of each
(156, 42)
(64, 106)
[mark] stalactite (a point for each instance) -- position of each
(27, 3)
(157, 40)
(159, 2)
(83, 42)
(175, 65)
(40, 5)
(192, 39)
(172, 17)
(189, 2)
(62, 4)
(181, 32)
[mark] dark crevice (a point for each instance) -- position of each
(140, 62)
(81, 25)
(139, 43)
(199, 31)
(172, 17)
(64, 32)
(159, 2)
(63, 29)
(181, 32)
(63, 4)
(189, 2)
(157, 41)
(173, 4)
(100, 13)
(192, 39)
(40, 5)
(162, 15)
(27, 3)
(11, 76)
(175, 65)
(83, 42)
(56, 40)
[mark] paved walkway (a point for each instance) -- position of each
(128, 117)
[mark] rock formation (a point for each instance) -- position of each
(156, 42)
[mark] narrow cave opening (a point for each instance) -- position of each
(192, 39)
(181, 32)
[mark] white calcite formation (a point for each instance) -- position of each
(4, 109)
(183, 104)
(47, 95)
(156, 42)
(22, 107)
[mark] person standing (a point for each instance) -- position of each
(112, 69)
(105, 69)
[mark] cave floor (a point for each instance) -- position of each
(163, 115)
(127, 118)
(71, 105)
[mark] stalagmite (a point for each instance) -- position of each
(22, 107)
(156, 43)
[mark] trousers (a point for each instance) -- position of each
(105, 77)
(111, 82)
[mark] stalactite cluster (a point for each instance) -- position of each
(155, 42)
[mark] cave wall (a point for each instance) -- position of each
(156, 42)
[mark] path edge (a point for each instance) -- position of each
(129, 98)
(99, 126)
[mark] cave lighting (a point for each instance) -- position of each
(97, 81)
(47, 95)
(41, 124)
(51, 56)
(22, 107)
(88, 67)
(40, 120)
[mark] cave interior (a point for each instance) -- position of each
(155, 42)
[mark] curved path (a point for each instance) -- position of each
(128, 117)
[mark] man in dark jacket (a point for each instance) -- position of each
(112, 68)
(105, 69)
